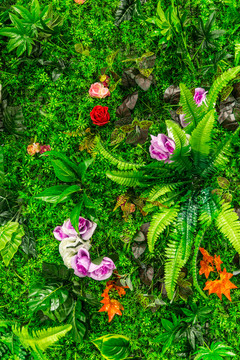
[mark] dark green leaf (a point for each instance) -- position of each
(62, 312)
(98, 260)
(13, 119)
(63, 171)
(56, 272)
(68, 191)
(1, 166)
(78, 321)
(28, 245)
(75, 214)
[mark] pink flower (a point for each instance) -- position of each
(59, 234)
(86, 229)
(44, 148)
(161, 148)
(81, 263)
(102, 271)
(200, 96)
(182, 120)
(98, 90)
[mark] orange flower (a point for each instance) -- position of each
(222, 286)
(206, 256)
(79, 1)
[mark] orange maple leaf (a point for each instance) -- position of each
(206, 256)
(205, 269)
(112, 307)
(222, 286)
(217, 262)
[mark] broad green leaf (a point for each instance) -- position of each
(63, 171)
(53, 194)
(113, 347)
(56, 272)
(78, 321)
(6, 233)
(12, 246)
(70, 190)
(47, 297)
(62, 312)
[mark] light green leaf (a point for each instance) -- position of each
(6, 233)
(113, 347)
(53, 194)
(12, 246)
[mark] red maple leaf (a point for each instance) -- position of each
(222, 286)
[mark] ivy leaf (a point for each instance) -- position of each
(78, 321)
(138, 250)
(172, 95)
(146, 275)
(128, 77)
(47, 297)
(144, 82)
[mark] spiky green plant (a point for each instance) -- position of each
(189, 204)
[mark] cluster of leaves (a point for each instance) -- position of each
(113, 347)
(68, 172)
(192, 327)
(60, 299)
(193, 208)
(128, 9)
(19, 341)
(32, 25)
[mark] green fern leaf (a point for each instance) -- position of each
(162, 189)
(200, 139)
(122, 165)
(208, 212)
(173, 265)
(220, 83)
(179, 137)
(228, 223)
(197, 243)
(159, 222)
(193, 113)
(187, 222)
(221, 156)
(40, 339)
(127, 178)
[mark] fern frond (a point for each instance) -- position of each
(173, 265)
(186, 224)
(180, 138)
(40, 339)
(162, 189)
(197, 243)
(193, 113)
(200, 139)
(122, 165)
(127, 178)
(208, 212)
(221, 155)
(228, 223)
(159, 222)
(219, 84)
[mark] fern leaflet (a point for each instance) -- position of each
(127, 178)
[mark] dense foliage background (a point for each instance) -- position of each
(53, 108)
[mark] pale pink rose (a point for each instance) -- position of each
(98, 90)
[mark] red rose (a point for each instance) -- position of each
(100, 115)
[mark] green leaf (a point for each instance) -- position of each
(98, 260)
(40, 339)
(6, 233)
(12, 246)
(63, 171)
(201, 138)
(113, 347)
(179, 137)
(53, 194)
(223, 182)
(62, 312)
(75, 214)
(1, 165)
(13, 119)
(68, 191)
(78, 321)
(56, 272)
(127, 9)
(47, 297)
(158, 224)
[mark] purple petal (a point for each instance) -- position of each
(88, 234)
(59, 234)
